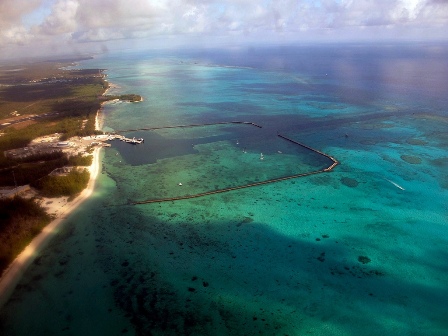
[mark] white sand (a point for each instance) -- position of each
(14, 272)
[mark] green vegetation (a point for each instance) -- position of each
(67, 185)
(57, 101)
(35, 168)
(70, 107)
(39, 88)
(41, 157)
(126, 97)
(80, 160)
(20, 221)
(27, 173)
(24, 73)
(70, 97)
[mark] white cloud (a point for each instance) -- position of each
(12, 29)
(11, 11)
(79, 21)
(18, 34)
(62, 19)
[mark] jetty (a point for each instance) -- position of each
(189, 125)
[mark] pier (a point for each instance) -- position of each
(255, 184)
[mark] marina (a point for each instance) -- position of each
(333, 161)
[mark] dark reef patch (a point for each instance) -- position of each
(440, 162)
(364, 259)
(355, 271)
(417, 142)
(349, 182)
(246, 220)
(411, 159)
(321, 257)
(155, 307)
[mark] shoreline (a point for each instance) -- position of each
(12, 275)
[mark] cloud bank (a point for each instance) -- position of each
(79, 24)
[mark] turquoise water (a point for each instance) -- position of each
(359, 250)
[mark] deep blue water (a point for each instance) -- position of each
(359, 250)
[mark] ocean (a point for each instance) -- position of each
(358, 250)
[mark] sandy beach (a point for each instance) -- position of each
(14, 272)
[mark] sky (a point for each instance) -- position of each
(55, 27)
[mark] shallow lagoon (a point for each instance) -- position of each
(340, 253)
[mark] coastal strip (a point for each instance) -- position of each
(12, 275)
(60, 208)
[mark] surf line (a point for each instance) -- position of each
(395, 184)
